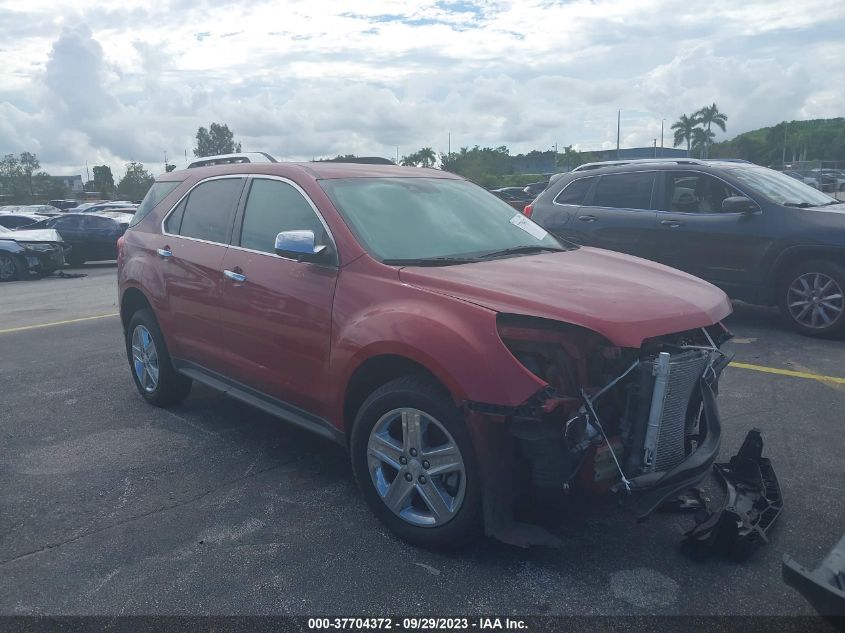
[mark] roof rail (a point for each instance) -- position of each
(639, 161)
(231, 159)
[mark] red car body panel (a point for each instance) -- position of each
(325, 323)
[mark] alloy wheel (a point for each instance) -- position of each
(145, 358)
(815, 300)
(416, 467)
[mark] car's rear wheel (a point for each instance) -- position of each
(812, 298)
(11, 267)
(152, 371)
(413, 460)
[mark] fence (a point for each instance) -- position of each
(827, 175)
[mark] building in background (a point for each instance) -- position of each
(72, 183)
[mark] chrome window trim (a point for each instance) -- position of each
(241, 248)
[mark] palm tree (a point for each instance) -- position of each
(701, 139)
(709, 115)
(684, 130)
(426, 156)
(411, 160)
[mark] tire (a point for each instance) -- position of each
(11, 267)
(162, 385)
(391, 406)
(811, 297)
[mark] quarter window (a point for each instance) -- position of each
(274, 206)
(210, 210)
(575, 192)
(625, 191)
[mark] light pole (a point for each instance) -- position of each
(783, 156)
(662, 121)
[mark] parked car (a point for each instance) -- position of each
(92, 236)
(41, 209)
(534, 189)
(461, 353)
(514, 196)
(807, 180)
(64, 205)
(115, 205)
(19, 220)
(22, 252)
(761, 236)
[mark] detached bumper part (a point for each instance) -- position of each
(752, 503)
(823, 587)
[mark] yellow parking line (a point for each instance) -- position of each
(789, 372)
(40, 325)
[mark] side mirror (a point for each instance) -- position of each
(299, 245)
(739, 204)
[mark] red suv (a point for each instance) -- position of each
(461, 353)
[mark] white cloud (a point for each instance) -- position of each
(307, 78)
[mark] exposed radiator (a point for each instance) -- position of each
(676, 377)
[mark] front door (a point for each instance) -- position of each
(277, 312)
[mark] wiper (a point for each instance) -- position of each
(429, 261)
(521, 249)
(798, 205)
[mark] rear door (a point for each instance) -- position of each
(619, 214)
(276, 311)
(101, 237)
(196, 235)
(698, 237)
(557, 215)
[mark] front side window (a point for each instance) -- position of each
(274, 206)
(412, 219)
(210, 210)
(693, 192)
(575, 192)
(625, 191)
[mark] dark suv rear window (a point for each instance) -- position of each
(211, 210)
(575, 191)
(624, 191)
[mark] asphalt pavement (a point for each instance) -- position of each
(110, 506)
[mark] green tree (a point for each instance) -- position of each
(10, 174)
(29, 165)
(708, 116)
(103, 180)
(168, 167)
(684, 130)
(217, 139)
(410, 160)
(483, 165)
(136, 181)
(701, 140)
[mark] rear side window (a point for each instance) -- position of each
(575, 192)
(625, 191)
(274, 206)
(158, 192)
(99, 224)
(173, 223)
(211, 209)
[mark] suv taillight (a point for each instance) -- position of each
(528, 210)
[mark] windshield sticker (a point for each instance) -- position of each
(528, 226)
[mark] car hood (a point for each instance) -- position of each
(623, 298)
(33, 235)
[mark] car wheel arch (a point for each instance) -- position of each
(793, 257)
(133, 299)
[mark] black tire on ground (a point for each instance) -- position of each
(172, 387)
(12, 268)
(423, 393)
(835, 314)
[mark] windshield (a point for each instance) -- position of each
(401, 219)
(779, 187)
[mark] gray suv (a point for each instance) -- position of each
(761, 236)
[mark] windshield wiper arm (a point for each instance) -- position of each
(799, 205)
(521, 249)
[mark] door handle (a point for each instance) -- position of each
(671, 223)
(164, 252)
(587, 218)
(235, 276)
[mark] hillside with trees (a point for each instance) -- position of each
(817, 139)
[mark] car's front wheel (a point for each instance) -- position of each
(11, 267)
(153, 373)
(812, 298)
(412, 457)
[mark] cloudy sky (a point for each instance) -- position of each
(109, 82)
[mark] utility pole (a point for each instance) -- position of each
(397, 154)
(655, 148)
(449, 146)
(618, 125)
(783, 156)
(662, 121)
(165, 160)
